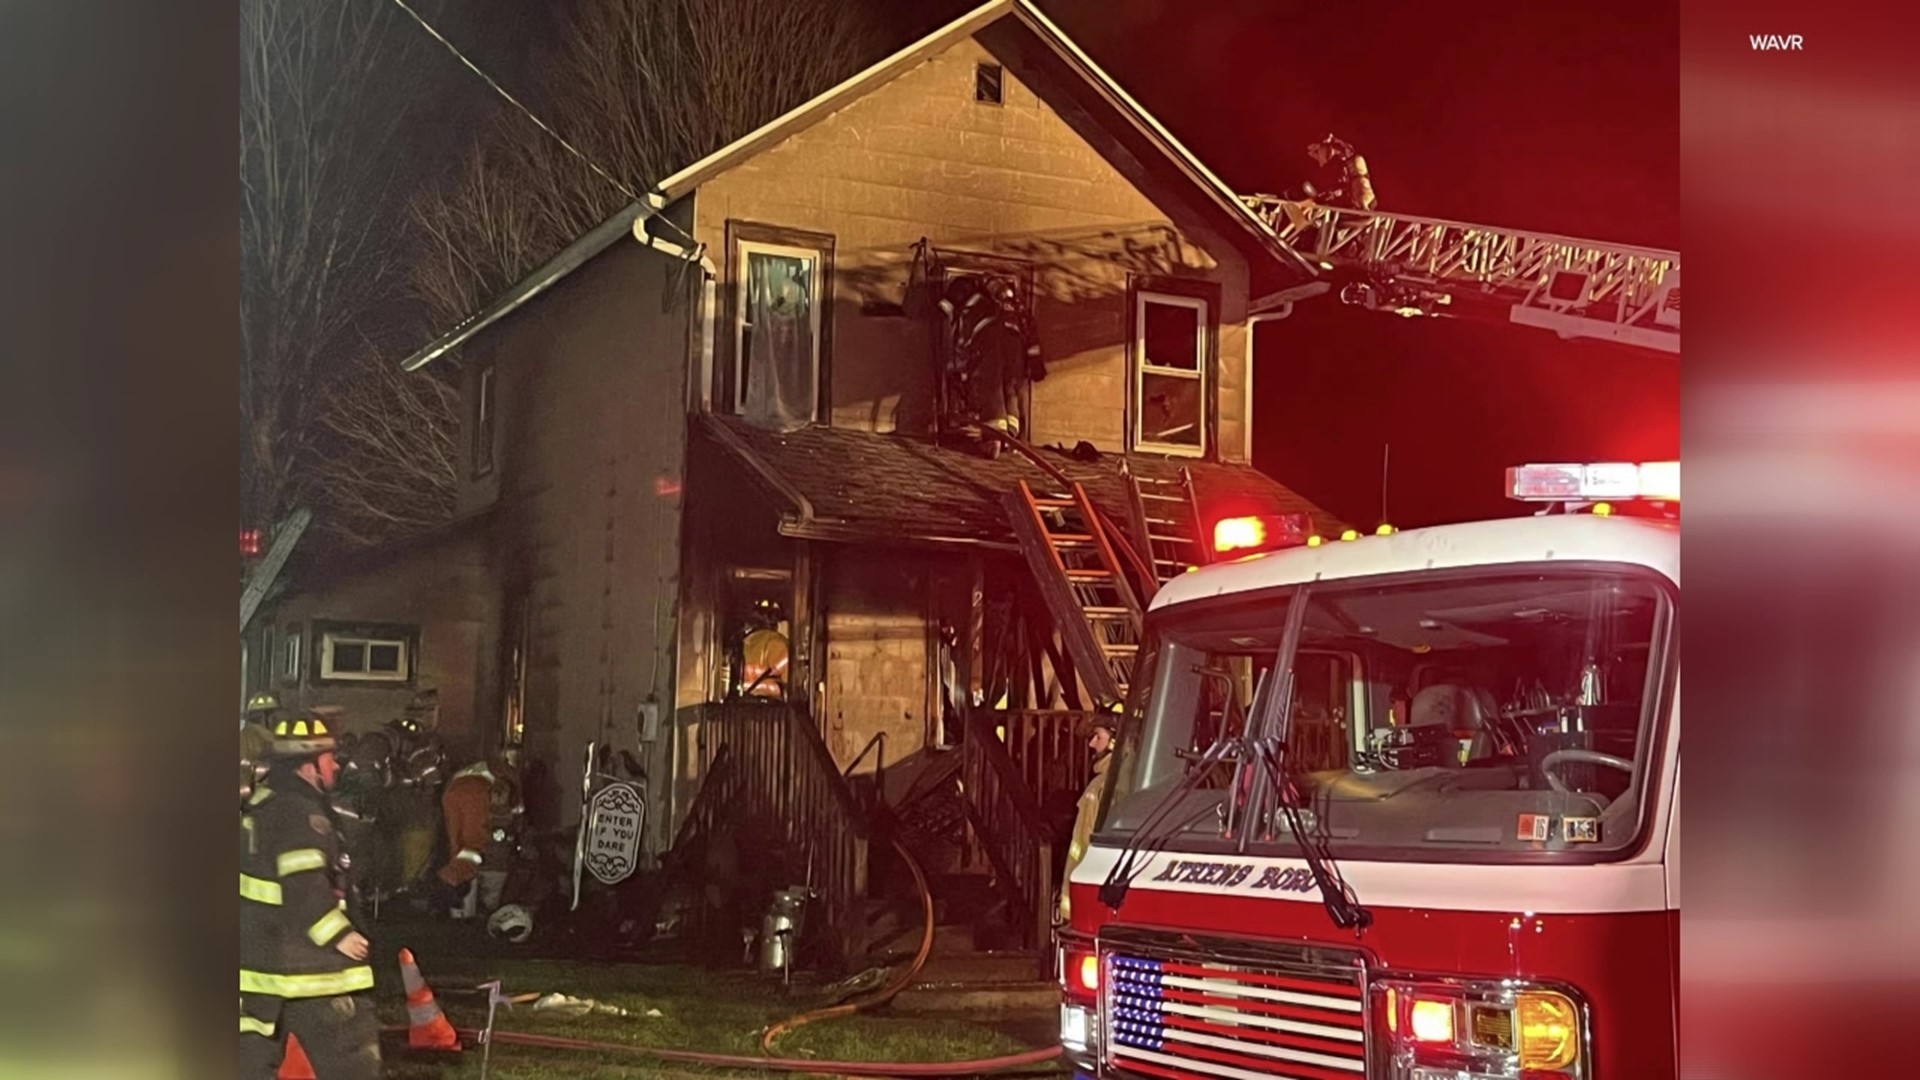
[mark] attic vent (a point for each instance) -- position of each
(987, 83)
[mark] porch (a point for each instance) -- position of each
(939, 640)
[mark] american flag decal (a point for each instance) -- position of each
(1182, 1017)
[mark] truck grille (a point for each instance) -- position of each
(1175, 1006)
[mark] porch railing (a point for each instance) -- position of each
(1048, 748)
(1006, 817)
(781, 777)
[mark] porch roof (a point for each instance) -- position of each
(861, 487)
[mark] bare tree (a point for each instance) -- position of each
(391, 460)
(318, 120)
(641, 88)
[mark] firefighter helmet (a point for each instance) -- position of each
(307, 735)
(263, 702)
(512, 922)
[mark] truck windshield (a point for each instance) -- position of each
(1479, 717)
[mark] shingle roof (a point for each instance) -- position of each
(902, 488)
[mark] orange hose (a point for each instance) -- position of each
(887, 992)
(799, 1065)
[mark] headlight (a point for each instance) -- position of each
(1463, 1029)
(1073, 1028)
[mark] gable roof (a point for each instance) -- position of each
(1013, 24)
(856, 486)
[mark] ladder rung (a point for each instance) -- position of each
(1070, 538)
(1048, 503)
(1119, 650)
(1163, 498)
(1087, 575)
(1170, 539)
(1099, 612)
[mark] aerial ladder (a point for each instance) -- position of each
(1416, 266)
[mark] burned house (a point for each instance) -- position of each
(837, 469)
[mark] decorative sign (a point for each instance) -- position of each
(614, 820)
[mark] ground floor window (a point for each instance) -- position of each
(365, 654)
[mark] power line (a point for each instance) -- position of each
(514, 101)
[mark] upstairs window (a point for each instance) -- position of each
(1170, 379)
(989, 84)
(782, 283)
(481, 452)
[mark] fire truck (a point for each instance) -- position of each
(1398, 807)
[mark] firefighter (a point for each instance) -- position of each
(482, 808)
(1100, 744)
(1341, 177)
(256, 740)
(303, 966)
(765, 653)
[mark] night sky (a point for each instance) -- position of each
(1550, 116)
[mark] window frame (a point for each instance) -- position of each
(745, 238)
(1203, 298)
(999, 98)
(292, 654)
(480, 449)
(328, 636)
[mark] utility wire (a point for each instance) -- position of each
(514, 101)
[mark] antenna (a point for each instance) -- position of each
(1385, 450)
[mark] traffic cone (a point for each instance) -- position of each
(295, 1066)
(427, 1027)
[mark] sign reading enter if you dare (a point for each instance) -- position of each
(613, 833)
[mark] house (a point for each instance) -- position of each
(756, 457)
(373, 634)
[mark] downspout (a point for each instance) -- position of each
(701, 401)
(1279, 305)
(1247, 406)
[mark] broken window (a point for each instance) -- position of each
(989, 87)
(777, 334)
(1170, 373)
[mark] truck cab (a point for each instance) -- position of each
(1401, 807)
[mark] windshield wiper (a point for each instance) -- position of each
(1268, 747)
(1343, 907)
(1151, 838)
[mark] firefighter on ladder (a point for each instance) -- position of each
(1341, 175)
(303, 966)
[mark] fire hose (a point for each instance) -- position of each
(796, 1065)
(887, 992)
(804, 1065)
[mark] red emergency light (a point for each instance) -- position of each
(1254, 534)
(249, 543)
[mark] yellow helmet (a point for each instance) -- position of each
(302, 736)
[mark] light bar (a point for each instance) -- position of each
(1658, 481)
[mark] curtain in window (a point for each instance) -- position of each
(777, 342)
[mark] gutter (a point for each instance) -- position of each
(603, 236)
(764, 473)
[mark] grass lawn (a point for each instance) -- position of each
(704, 1010)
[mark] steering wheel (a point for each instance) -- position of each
(1588, 757)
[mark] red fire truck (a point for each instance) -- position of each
(1403, 807)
